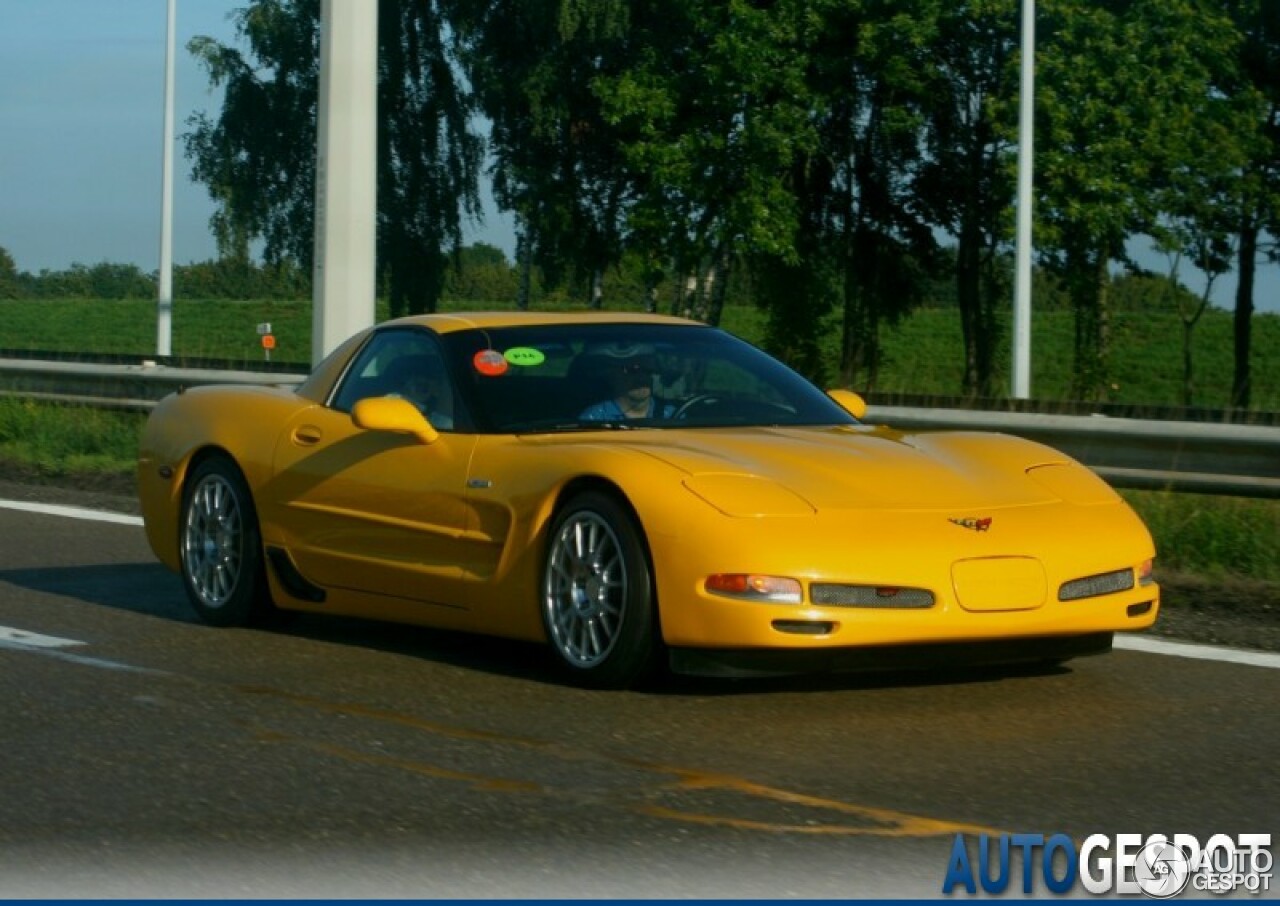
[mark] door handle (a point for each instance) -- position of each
(306, 435)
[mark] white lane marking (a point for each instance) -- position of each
(1145, 644)
(82, 660)
(51, 646)
(70, 512)
(34, 639)
(1149, 645)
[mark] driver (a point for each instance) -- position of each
(629, 371)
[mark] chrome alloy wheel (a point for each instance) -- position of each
(585, 589)
(213, 541)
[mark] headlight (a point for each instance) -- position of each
(1146, 573)
(750, 587)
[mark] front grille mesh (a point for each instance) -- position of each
(1095, 586)
(889, 598)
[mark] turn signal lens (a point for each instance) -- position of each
(775, 589)
(1145, 573)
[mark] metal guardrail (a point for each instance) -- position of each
(136, 387)
(1201, 457)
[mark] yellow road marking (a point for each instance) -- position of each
(884, 822)
(879, 822)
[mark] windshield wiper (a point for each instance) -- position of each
(605, 425)
(593, 425)
(552, 427)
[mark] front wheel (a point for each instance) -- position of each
(598, 603)
(220, 545)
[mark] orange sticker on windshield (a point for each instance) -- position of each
(490, 362)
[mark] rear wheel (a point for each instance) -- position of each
(220, 545)
(598, 603)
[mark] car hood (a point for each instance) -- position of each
(860, 467)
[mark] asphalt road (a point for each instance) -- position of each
(340, 758)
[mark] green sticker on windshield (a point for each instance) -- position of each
(525, 356)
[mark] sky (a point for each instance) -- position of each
(81, 132)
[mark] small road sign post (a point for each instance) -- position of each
(268, 339)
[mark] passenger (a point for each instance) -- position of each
(427, 388)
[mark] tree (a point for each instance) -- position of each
(119, 281)
(1198, 194)
(8, 275)
(755, 179)
(1191, 308)
(557, 166)
(482, 274)
(1256, 205)
(966, 185)
(257, 158)
(1122, 85)
(428, 157)
(1196, 212)
(876, 103)
(718, 120)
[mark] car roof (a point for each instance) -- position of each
(454, 321)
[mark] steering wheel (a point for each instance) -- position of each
(693, 402)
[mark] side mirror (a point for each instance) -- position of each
(391, 413)
(850, 402)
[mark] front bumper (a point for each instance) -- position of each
(765, 662)
(1052, 545)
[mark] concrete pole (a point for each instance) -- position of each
(346, 174)
(1021, 384)
(164, 288)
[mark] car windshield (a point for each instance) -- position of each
(579, 377)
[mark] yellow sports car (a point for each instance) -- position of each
(630, 489)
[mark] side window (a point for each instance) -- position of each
(406, 363)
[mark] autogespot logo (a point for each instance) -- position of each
(1161, 870)
(1157, 866)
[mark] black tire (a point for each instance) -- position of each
(220, 546)
(597, 599)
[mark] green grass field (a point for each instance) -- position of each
(1211, 536)
(922, 355)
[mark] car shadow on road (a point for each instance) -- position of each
(144, 588)
(487, 654)
(152, 590)
(536, 663)
(850, 681)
